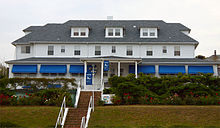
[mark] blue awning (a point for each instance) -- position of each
(171, 69)
(200, 69)
(142, 68)
(53, 69)
(24, 69)
(76, 69)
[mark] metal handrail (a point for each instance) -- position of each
(77, 95)
(90, 107)
(62, 114)
(84, 122)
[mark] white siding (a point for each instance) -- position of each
(88, 50)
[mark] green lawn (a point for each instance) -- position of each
(31, 117)
(156, 116)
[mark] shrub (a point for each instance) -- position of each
(179, 89)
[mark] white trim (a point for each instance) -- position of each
(118, 68)
(148, 30)
(59, 42)
(79, 29)
(114, 36)
(85, 70)
(136, 68)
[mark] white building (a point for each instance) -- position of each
(112, 47)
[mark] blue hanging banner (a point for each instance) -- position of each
(89, 79)
(106, 65)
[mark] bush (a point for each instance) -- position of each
(175, 90)
(101, 103)
(52, 97)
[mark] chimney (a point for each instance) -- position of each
(109, 17)
(214, 52)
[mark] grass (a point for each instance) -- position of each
(156, 116)
(29, 117)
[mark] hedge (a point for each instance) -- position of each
(180, 89)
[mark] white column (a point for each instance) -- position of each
(215, 69)
(85, 70)
(39, 75)
(118, 68)
(157, 71)
(68, 71)
(186, 68)
(102, 64)
(136, 68)
(11, 75)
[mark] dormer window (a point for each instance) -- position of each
(148, 33)
(79, 32)
(114, 32)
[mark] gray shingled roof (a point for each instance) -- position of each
(31, 28)
(168, 32)
(66, 60)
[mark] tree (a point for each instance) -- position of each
(3, 71)
(200, 57)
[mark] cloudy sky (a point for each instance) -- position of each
(202, 16)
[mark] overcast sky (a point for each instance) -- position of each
(201, 16)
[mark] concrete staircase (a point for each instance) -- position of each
(74, 116)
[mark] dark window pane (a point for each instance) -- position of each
(145, 33)
(77, 52)
(164, 51)
(176, 53)
(152, 34)
(97, 52)
(83, 33)
(149, 53)
(28, 49)
(50, 52)
(76, 33)
(62, 50)
(129, 53)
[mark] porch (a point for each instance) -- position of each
(98, 70)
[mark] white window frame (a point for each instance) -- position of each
(98, 48)
(79, 30)
(149, 49)
(63, 49)
(129, 49)
(113, 51)
(24, 49)
(77, 48)
(148, 30)
(114, 30)
(177, 49)
(164, 48)
(50, 50)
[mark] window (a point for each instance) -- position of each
(114, 32)
(110, 32)
(79, 32)
(25, 49)
(97, 50)
(129, 51)
(164, 49)
(62, 49)
(176, 50)
(148, 32)
(113, 49)
(77, 50)
(149, 51)
(50, 50)
(117, 32)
